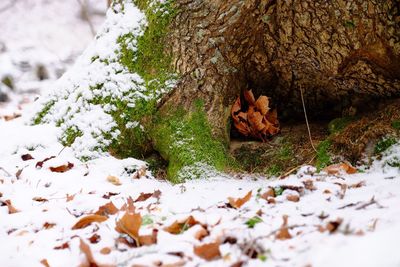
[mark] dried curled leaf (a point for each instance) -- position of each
(107, 209)
(87, 220)
(129, 224)
(208, 251)
(62, 168)
(340, 168)
(180, 226)
(258, 120)
(283, 232)
(114, 180)
(238, 202)
(11, 208)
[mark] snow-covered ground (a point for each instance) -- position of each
(55, 210)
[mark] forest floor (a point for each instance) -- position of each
(58, 211)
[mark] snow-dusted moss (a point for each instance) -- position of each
(100, 103)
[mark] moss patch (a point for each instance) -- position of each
(323, 158)
(185, 140)
(338, 124)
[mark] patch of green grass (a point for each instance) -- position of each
(253, 221)
(338, 124)
(185, 139)
(274, 170)
(262, 258)
(396, 124)
(323, 155)
(384, 144)
(8, 81)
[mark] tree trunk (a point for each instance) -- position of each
(342, 54)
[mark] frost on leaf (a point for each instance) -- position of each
(340, 168)
(238, 202)
(258, 121)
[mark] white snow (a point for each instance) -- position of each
(49, 203)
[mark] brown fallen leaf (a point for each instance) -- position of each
(114, 180)
(338, 168)
(332, 226)
(180, 226)
(11, 208)
(293, 198)
(62, 246)
(309, 185)
(39, 164)
(26, 157)
(45, 263)
(238, 202)
(148, 240)
(89, 219)
(283, 232)
(48, 225)
(94, 239)
(107, 209)
(269, 193)
(129, 224)
(208, 251)
(201, 233)
(40, 199)
(62, 168)
(357, 185)
(144, 196)
(105, 251)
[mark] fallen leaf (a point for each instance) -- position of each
(26, 157)
(129, 224)
(144, 196)
(107, 209)
(208, 251)
(11, 208)
(94, 239)
(114, 180)
(62, 246)
(62, 168)
(238, 202)
(47, 225)
(109, 195)
(45, 263)
(283, 232)
(332, 226)
(89, 219)
(339, 168)
(147, 240)
(293, 198)
(39, 164)
(40, 199)
(357, 185)
(180, 226)
(70, 197)
(105, 251)
(269, 193)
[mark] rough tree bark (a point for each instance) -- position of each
(341, 53)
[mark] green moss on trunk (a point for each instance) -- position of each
(185, 140)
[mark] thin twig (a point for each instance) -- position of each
(305, 116)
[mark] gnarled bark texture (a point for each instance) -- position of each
(340, 53)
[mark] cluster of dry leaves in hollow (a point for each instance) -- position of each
(258, 121)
